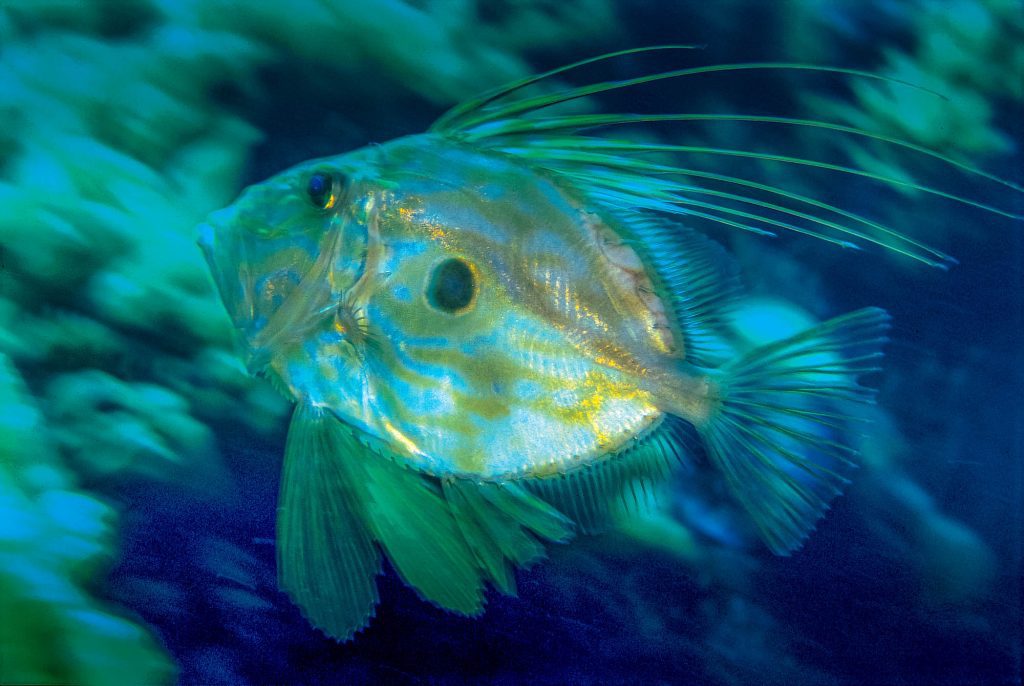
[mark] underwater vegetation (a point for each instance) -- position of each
(139, 461)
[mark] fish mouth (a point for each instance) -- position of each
(257, 339)
(306, 310)
(225, 257)
(219, 252)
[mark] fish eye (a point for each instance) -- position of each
(323, 189)
(452, 286)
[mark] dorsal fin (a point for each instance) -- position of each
(624, 171)
(695, 276)
(590, 495)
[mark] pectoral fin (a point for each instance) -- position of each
(341, 497)
(326, 561)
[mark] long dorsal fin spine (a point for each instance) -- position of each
(519, 127)
(575, 123)
(449, 121)
(536, 103)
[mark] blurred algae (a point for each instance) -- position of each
(971, 51)
(111, 151)
(116, 359)
(967, 57)
(54, 538)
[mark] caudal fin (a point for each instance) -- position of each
(781, 427)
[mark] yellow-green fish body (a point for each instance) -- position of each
(562, 352)
(491, 328)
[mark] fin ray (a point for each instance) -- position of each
(518, 126)
(783, 460)
(343, 492)
(592, 495)
(577, 122)
(326, 561)
(413, 522)
(701, 283)
(533, 104)
(502, 525)
(480, 538)
(450, 119)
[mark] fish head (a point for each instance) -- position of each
(487, 316)
(285, 253)
(453, 305)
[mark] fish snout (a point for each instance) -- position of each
(225, 258)
(205, 237)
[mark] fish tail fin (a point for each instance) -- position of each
(780, 426)
(343, 502)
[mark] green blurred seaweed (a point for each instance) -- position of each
(116, 359)
(965, 57)
(54, 538)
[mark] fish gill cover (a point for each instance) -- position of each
(140, 463)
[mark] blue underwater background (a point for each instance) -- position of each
(139, 464)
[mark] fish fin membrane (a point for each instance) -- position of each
(781, 430)
(622, 483)
(326, 561)
(446, 537)
(503, 526)
(407, 513)
(647, 176)
(699, 279)
(344, 494)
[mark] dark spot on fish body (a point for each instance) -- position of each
(452, 286)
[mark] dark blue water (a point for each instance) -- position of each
(913, 578)
(849, 608)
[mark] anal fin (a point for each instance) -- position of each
(592, 495)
